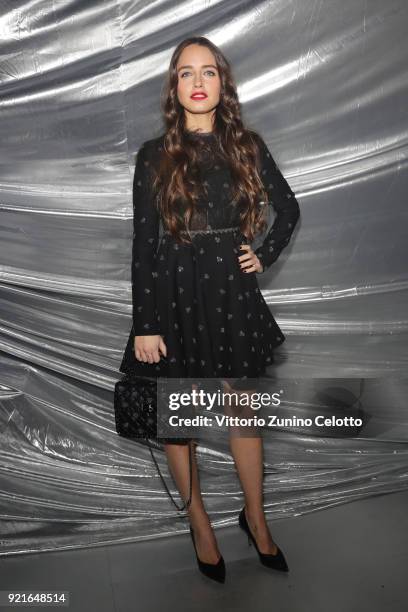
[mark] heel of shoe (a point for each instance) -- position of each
(214, 571)
(276, 561)
(243, 529)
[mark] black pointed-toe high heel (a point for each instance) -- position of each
(276, 561)
(214, 571)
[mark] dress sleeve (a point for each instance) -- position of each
(285, 204)
(145, 238)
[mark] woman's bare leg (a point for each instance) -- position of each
(248, 458)
(178, 461)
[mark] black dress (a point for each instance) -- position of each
(211, 314)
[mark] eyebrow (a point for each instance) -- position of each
(204, 66)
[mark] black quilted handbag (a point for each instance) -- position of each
(135, 404)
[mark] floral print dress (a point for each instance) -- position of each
(211, 314)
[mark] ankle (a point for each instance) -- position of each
(199, 519)
(255, 515)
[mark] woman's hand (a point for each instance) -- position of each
(148, 348)
(249, 262)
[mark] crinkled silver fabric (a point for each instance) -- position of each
(325, 84)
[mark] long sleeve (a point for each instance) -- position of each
(145, 238)
(284, 202)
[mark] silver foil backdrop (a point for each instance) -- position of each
(325, 83)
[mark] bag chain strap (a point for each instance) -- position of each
(188, 502)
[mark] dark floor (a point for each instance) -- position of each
(352, 557)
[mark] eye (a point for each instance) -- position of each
(211, 72)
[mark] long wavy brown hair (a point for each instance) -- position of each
(177, 178)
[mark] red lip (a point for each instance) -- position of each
(198, 96)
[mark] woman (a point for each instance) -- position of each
(197, 307)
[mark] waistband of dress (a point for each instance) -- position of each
(220, 230)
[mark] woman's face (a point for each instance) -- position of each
(197, 72)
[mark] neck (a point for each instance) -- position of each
(199, 130)
(199, 123)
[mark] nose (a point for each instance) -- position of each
(197, 80)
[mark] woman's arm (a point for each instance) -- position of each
(284, 202)
(145, 239)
